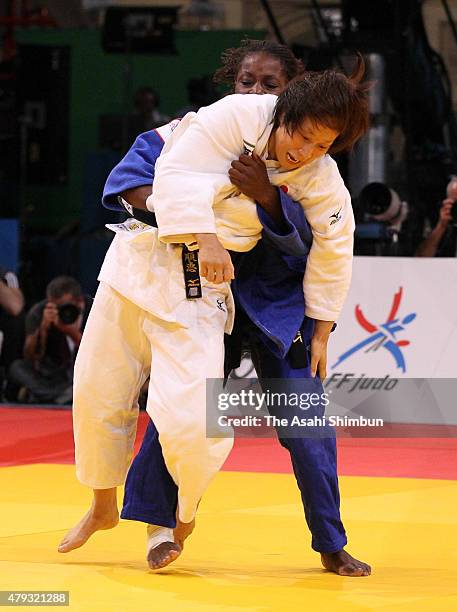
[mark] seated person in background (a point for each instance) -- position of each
(147, 103)
(442, 240)
(11, 321)
(53, 329)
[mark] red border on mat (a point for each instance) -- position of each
(40, 435)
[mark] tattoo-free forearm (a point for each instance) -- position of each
(322, 329)
(429, 246)
(33, 345)
(271, 203)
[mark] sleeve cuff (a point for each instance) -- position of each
(111, 195)
(287, 240)
(178, 235)
(271, 228)
(321, 315)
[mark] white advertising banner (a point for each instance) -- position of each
(400, 320)
(394, 352)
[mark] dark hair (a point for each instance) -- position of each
(60, 285)
(328, 98)
(232, 59)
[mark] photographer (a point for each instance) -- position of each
(53, 330)
(442, 240)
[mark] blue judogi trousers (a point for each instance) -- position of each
(151, 494)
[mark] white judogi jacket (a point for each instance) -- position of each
(193, 194)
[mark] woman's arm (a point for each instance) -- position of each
(285, 227)
(328, 208)
(137, 196)
(133, 176)
(193, 170)
(327, 278)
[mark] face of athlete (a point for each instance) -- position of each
(303, 146)
(260, 73)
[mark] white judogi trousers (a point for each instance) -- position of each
(122, 344)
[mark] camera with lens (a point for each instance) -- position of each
(68, 313)
(380, 215)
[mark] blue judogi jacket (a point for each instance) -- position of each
(268, 282)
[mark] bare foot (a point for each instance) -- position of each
(163, 554)
(89, 524)
(182, 531)
(344, 564)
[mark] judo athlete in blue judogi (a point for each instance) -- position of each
(259, 300)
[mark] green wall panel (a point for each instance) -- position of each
(97, 87)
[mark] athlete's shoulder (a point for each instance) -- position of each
(164, 131)
(328, 168)
(260, 102)
(339, 215)
(325, 174)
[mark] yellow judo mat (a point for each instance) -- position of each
(250, 550)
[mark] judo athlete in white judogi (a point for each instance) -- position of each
(142, 306)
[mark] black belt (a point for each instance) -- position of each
(191, 271)
(189, 258)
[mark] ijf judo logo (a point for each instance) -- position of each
(383, 335)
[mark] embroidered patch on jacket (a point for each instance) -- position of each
(248, 147)
(130, 225)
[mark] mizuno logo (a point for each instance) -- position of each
(335, 217)
(220, 304)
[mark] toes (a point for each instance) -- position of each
(64, 546)
(347, 570)
(344, 565)
(161, 562)
(364, 568)
(354, 570)
(68, 546)
(70, 542)
(162, 555)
